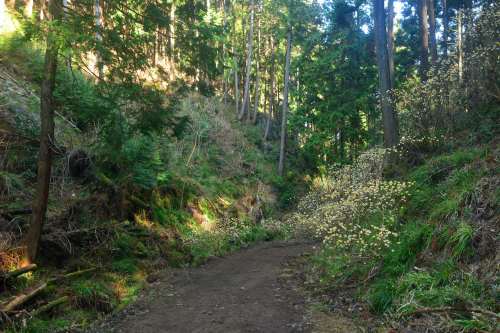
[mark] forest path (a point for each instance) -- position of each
(248, 291)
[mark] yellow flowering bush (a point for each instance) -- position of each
(352, 208)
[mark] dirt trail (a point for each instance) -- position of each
(248, 291)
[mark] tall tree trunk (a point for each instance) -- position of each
(248, 68)
(271, 90)
(171, 43)
(266, 89)
(467, 18)
(46, 140)
(257, 78)
(281, 164)
(424, 38)
(223, 44)
(236, 84)
(432, 32)
(66, 4)
(28, 8)
(41, 6)
(388, 113)
(460, 46)
(98, 36)
(390, 41)
(446, 29)
(257, 95)
(468, 23)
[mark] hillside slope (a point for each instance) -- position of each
(413, 245)
(156, 200)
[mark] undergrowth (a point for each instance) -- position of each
(441, 258)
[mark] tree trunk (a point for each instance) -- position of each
(98, 37)
(248, 69)
(468, 23)
(390, 41)
(46, 140)
(223, 44)
(281, 165)
(236, 84)
(460, 47)
(446, 28)
(171, 44)
(257, 95)
(257, 78)
(266, 89)
(271, 91)
(432, 32)
(388, 113)
(467, 18)
(41, 6)
(28, 8)
(69, 66)
(424, 38)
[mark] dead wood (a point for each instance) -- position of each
(10, 214)
(448, 309)
(30, 293)
(49, 306)
(23, 298)
(18, 272)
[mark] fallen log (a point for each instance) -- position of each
(49, 306)
(71, 275)
(23, 298)
(17, 272)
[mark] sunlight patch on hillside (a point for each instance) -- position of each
(7, 23)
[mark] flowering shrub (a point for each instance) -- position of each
(352, 208)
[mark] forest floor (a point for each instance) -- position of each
(253, 290)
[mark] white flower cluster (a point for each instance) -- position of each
(354, 209)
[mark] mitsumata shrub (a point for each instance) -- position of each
(352, 209)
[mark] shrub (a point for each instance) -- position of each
(353, 209)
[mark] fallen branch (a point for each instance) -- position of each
(71, 275)
(453, 309)
(487, 313)
(23, 298)
(9, 215)
(431, 310)
(17, 272)
(50, 305)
